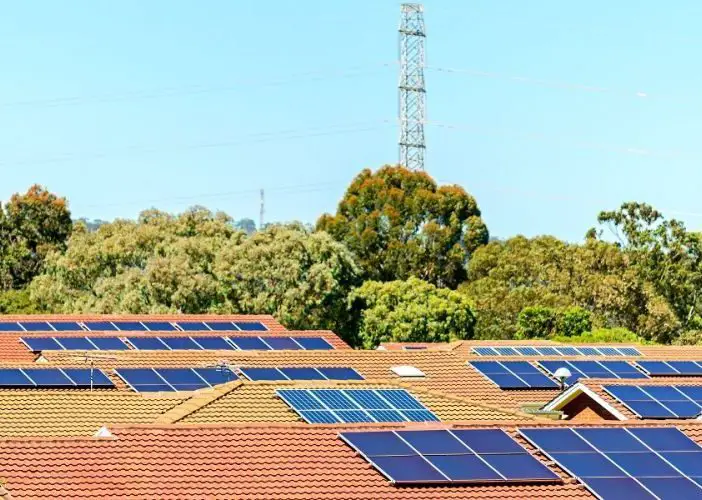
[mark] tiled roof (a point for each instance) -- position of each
(243, 462)
(75, 412)
(257, 402)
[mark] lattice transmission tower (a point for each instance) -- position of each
(411, 87)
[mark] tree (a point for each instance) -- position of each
(302, 278)
(410, 311)
(400, 224)
(573, 321)
(31, 225)
(246, 225)
(536, 322)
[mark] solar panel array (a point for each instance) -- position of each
(301, 373)
(514, 375)
(54, 377)
(174, 379)
(593, 369)
(556, 351)
(671, 368)
(132, 326)
(331, 406)
(37, 344)
(651, 462)
(448, 456)
(659, 401)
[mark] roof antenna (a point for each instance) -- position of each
(562, 374)
(91, 358)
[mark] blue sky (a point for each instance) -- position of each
(121, 106)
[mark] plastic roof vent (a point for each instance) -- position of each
(407, 371)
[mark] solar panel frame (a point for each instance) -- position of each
(222, 326)
(313, 343)
(250, 326)
(214, 343)
(39, 344)
(250, 343)
(181, 343)
(100, 326)
(485, 351)
(14, 377)
(109, 343)
(182, 379)
(130, 326)
(159, 326)
(143, 380)
(11, 326)
(656, 401)
(255, 373)
(282, 344)
(193, 326)
(147, 344)
(302, 373)
(76, 343)
(216, 375)
(36, 326)
(48, 377)
(66, 326)
(340, 373)
(514, 375)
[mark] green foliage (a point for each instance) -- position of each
(504, 277)
(17, 302)
(536, 322)
(410, 311)
(690, 337)
(574, 321)
(603, 336)
(31, 226)
(400, 224)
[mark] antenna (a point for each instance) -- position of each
(562, 374)
(223, 366)
(263, 211)
(412, 94)
(91, 358)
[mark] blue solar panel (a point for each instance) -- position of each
(381, 405)
(629, 351)
(514, 375)
(671, 368)
(159, 326)
(253, 373)
(36, 326)
(249, 343)
(485, 351)
(143, 379)
(657, 368)
(527, 351)
(319, 417)
(340, 373)
(82, 377)
(567, 351)
(129, 326)
(75, 343)
(506, 351)
(548, 351)
(443, 456)
(10, 327)
(147, 343)
(213, 343)
(302, 373)
(215, 376)
(100, 326)
(623, 462)
(688, 368)
(13, 377)
(182, 379)
(109, 343)
(250, 326)
(488, 441)
(180, 343)
(623, 369)
(65, 326)
(38, 344)
(313, 343)
(592, 369)
(657, 401)
(222, 326)
(48, 377)
(193, 326)
(588, 351)
(282, 344)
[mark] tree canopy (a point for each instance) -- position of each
(399, 224)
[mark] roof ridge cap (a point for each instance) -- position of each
(196, 402)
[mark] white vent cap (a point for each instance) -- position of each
(407, 371)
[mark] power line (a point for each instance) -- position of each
(310, 76)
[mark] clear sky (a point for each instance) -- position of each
(125, 105)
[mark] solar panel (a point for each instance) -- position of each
(250, 326)
(215, 376)
(13, 377)
(257, 374)
(38, 344)
(148, 343)
(593, 369)
(192, 326)
(75, 343)
(143, 379)
(629, 351)
(10, 327)
(550, 351)
(514, 375)
(283, 344)
(66, 326)
(302, 373)
(356, 405)
(159, 326)
(129, 326)
(567, 351)
(36, 326)
(100, 326)
(340, 373)
(485, 351)
(313, 343)
(48, 377)
(222, 326)
(87, 377)
(109, 343)
(671, 368)
(658, 401)
(182, 379)
(620, 462)
(249, 343)
(213, 343)
(506, 351)
(525, 350)
(180, 343)
(448, 456)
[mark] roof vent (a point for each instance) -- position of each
(41, 359)
(407, 371)
(381, 348)
(103, 432)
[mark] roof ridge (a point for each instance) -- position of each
(198, 401)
